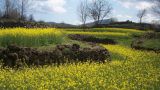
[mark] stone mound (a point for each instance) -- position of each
(15, 56)
(151, 35)
(89, 38)
(138, 42)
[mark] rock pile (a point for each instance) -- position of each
(89, 38)
(137, 44)
(15, 56)
(139, 41)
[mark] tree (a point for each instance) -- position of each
(83, 13)
(156, 25)
(9, 9)
(98, 10)
(23, 6)
(156, 8)
(1, 14)
(141, 14)
(15, 9)
(7, 6)
(31, 18)
(14, 14)
(1, 8)
(156, 11)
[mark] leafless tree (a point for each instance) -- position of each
(9, 9)
(7, 6)
(31, 18)
(156, 7)
(141, 14)
(23, 6)
(1, 9)
(1, 13)
(98, 10)
(15, 9)
(83, 13)
(14, 14)
(156, 11)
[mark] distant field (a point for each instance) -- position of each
(106, 30)
(129, 70)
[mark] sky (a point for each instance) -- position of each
(66, 10)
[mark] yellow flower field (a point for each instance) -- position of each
(30, 37)
(129, 70)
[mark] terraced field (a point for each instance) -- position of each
(129, 70)
(30, 37)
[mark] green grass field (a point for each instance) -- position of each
(129, 70)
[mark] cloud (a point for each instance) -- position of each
(149, 18)
(55, 6)
(124, 16)
(137, 4)
(144, 5)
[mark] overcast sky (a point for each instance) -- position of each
(66, 10)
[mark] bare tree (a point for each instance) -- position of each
(98, 10)
(141, 14)
(156, 11)
(15, 9)
(7, 6)
(24, 6)
(31, 18)
(156, 8)
(14, 14)
(1, 13)
(83, 13)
